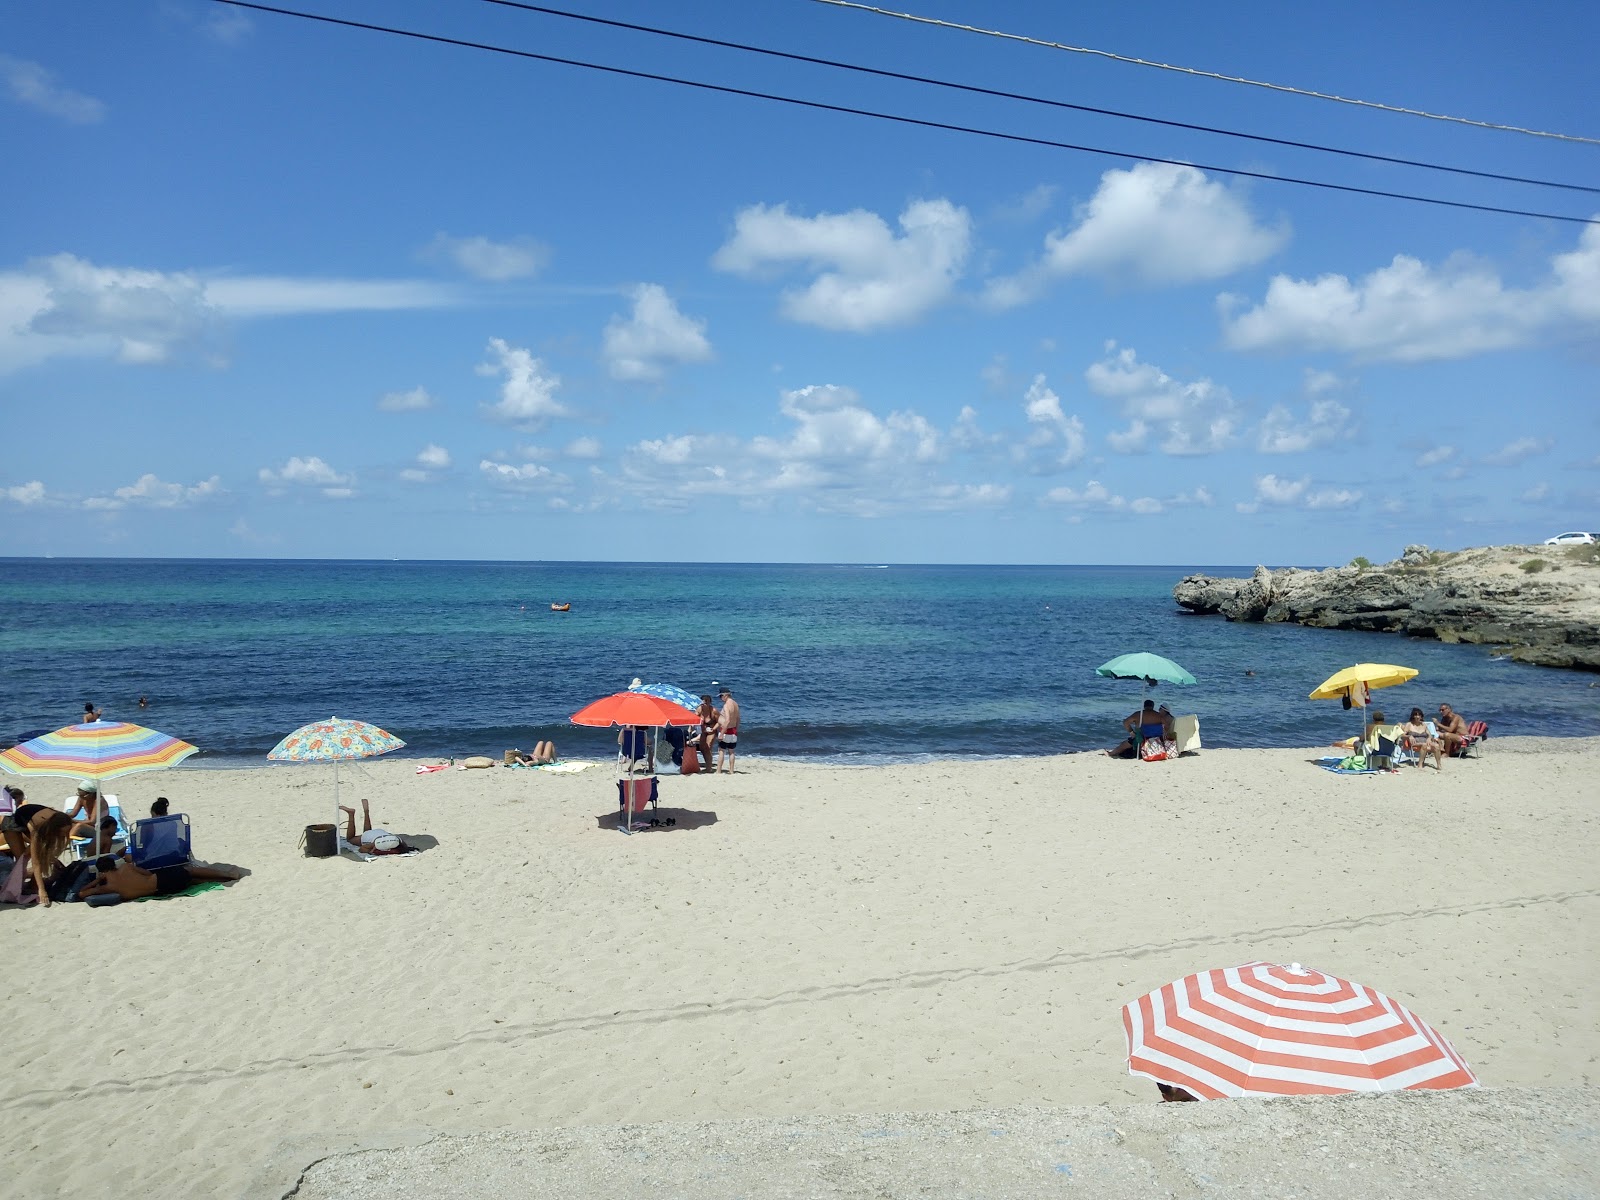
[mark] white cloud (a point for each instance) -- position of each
(308, 473)
(1411, 312)
(1272, 491)
(584, 447)
(1199, 417)
(1517, 451)
(519, 258)
(430, 458)
(870, 278)
(1326, 420)
(282, 296)
(66, 305)
(654, 337)
(528, 393)
(1055, 440)
(26, 494)
(1537, 493)
(32, 85)
(415, 400)
(839, 457)
(529, 477)
(1439, 454)
(1095, 496)
(150, 492)
(230, 28)
(1155, 223)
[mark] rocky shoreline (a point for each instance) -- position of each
(1538, 604)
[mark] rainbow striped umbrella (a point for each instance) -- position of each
(98, 750)
(1268, 1030)
(332, 740)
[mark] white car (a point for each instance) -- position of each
(1570, 539)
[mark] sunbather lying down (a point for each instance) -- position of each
(370, 840)
(135, 883)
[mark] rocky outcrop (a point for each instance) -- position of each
(1539, 604)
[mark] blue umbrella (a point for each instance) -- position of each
(668, 691)
(1151, 668)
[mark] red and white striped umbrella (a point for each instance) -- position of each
(1269, 1030)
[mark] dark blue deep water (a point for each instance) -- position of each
(838, 663)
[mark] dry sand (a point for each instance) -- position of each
(804, 942)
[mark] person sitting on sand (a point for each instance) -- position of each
(91, 714)
(370, 840)
(1452, 729)
(38, 835)
(135, 883)
(1420, 740)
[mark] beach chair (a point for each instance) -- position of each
(90, 847)
(1477, 734)
(160, 842)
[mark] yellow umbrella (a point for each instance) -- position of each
(1374, 675)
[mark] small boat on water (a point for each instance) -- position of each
(567, 607)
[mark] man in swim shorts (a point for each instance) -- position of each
(135, 883)
(727, 732)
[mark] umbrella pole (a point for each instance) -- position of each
(336, 803)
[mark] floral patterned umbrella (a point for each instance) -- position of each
(331, 740)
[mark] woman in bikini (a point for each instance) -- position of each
(38, 834)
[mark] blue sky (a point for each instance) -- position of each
(274, 288)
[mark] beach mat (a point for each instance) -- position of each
(1332, 764)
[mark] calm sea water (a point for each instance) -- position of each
(829, 663)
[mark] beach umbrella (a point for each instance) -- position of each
(99, 750)
(1151, 668)
(330, 741)
(1354, 683)
(638, 709)
(668, 691)
(1268, 1030)
(635, 708)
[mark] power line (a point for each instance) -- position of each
(1084, 108)
(1142, 62)
(724, 89)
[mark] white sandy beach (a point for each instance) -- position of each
(805, 942)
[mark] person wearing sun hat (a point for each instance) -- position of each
(87, 801)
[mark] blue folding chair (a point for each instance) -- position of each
(160, 842)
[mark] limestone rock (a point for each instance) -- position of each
(1541, 604)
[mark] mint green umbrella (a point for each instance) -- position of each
(1151, 668)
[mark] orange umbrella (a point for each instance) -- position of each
(634, 708)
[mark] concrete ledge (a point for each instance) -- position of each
(1525, 1142)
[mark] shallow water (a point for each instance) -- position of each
(829, 663)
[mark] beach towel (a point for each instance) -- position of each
(430, 768)
(1336, 765)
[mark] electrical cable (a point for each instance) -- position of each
(1142, 62)
(1083, 108)
(920, 122)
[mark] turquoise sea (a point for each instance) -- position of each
(855, 664)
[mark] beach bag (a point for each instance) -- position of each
(1356, 762)
(1157, 749)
